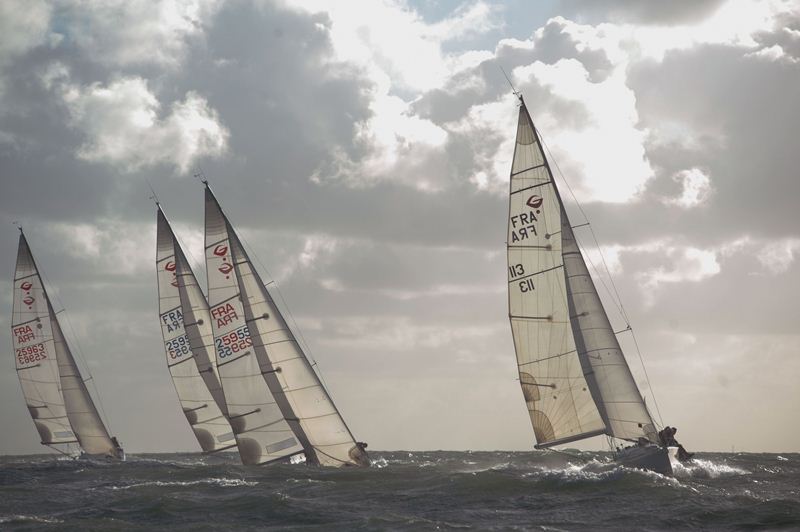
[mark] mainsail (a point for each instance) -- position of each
(38, 341)
(184, 319)
(573, 375)
(237, 294)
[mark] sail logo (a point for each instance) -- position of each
(534, 202)
(29, 301)
(170, 267)
(225, 269)
(221, 250)
(26, 285)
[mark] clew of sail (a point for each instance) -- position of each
(34, 352)
(192, 373)
(262, 433)
(559, 402)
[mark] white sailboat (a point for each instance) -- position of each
(574, 377)
(277, 404)
(55, 392)
(188, 344)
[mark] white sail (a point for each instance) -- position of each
(81, 411)
(574, 376)
(303, 400)
(34, 353)
(192, 373)
(262, 433)
(559, 402)
(84, 419)
(609, 377)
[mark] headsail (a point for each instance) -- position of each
(298, 391)
(574, 377)
(34, 352)
(262, 433)
(81, 412)
(180, 303)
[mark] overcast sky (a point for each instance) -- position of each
(363, 151)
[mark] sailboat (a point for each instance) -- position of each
(188, 344)
(277, 405)
(574, 376)
(58, 401)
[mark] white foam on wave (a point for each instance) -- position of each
(699, 468)
(28, 518)
(221, 482)
(379, 463)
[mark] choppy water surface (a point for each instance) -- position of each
(403, 491)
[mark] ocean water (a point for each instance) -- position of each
(403, 491)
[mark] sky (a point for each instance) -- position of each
(362, 149)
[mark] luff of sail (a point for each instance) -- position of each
(34, 352)
(304, 401)
(262, 433)
(193, 379)
(559, 402)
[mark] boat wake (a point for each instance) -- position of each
(219, 482)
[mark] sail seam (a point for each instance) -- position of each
(530, 187)
(536, 273)
(527, 169)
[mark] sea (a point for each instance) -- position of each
(403, 490)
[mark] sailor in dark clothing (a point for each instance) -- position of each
(667, 437)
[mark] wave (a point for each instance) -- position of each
(699, 468)
(221, 482)
(28, 519)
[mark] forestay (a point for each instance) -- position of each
(34, 352)
(559, 402)
(181, 316)
(262, 433)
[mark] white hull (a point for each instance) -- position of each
(649, 457)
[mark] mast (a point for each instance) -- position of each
(34, 353)
(81, 411)
(304, 402)
(262, 433)
(187, 351)
(606, 374)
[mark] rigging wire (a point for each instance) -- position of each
(615, 297)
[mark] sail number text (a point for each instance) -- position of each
(233, 342)
(518, 270)
(31, 353)
(224, 314)
(172, 320)
(177, 347)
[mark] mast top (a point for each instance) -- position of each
(513, 89)
(153, 195)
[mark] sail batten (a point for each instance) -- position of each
(181, 303)
(284, 367)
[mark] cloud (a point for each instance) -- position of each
(778, 256)
(122, 125)
(696, 188)
(134, 32)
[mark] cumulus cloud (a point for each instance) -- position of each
(123, 125)
(135, 32)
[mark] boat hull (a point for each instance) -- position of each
(648, 457)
